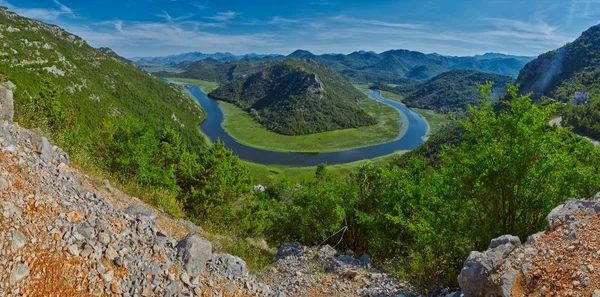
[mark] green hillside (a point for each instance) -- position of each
(92, 87)
(561, 72)
(296, 97)
(451, 91)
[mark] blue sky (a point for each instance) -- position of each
(449, 27)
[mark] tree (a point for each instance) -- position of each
(222, 182)
(512, 170)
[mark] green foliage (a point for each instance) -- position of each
(451, 91)
(296, 97)
(585, 119)
(503, 175)
(222, 181)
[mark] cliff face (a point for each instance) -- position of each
(561, 261)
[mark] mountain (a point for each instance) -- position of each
(562, 72)
(452, 91)
(297, 96)
(63, 83)
(394, 67)
(193, 57)
(491, 56)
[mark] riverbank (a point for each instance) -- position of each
(262, 174)
(241, 126)
(206, 86)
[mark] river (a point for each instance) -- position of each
(414, 128)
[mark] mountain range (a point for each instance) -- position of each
(394, 67)
(192, 57)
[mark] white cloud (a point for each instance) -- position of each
(41, 13)
(224, 16)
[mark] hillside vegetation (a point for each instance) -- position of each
(296, 97)
(448, 92)
(84, 88)
(561, 72)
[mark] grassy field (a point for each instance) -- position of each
(240, 125)
(207, 86)
(391, 96)
(262, 174)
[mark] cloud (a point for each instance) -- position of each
(150, 38)
(43, 14)
(224, 16)
(199, 5)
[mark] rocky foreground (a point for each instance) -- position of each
(64, 234)
(564, 260)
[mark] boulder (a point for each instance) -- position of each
(195, 252)
(288, 249)
(141, 213)
(225, 264)
(565, 213)
(7, 108)
(475, 278)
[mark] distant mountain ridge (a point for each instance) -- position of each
(296, 97)
(393, 66)
(193, 57)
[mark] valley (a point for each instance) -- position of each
(332, 163)
(414, 129)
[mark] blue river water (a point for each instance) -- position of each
(414, 128)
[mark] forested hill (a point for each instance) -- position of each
(297, 96)
(561, 72)
(394, 66)
(69, 88)
(451, 91)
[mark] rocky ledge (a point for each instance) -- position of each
(564, 260)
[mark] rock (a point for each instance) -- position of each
(19, 272)
(287, 249)
(7, 108)
(351, 274)
(3, 184)
(596, 293)
(185, 278)
(194, 252)
(44, 148)
(110, 253)
(365, 259)
(18, 241)
(228, 265)
(141, 213)
(566, 212)
(74, 250)
(327, 251)
(229, 288)
(474, 278)
(104, 238)
(504, 239)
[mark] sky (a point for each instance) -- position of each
(137, 28)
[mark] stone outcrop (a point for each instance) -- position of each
(476, 276)
(7, 108)
(195, 252)
(507, 266)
